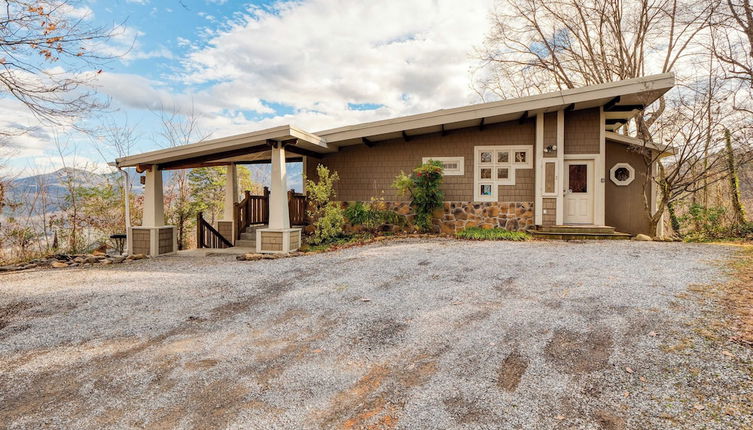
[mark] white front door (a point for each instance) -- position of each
(579, 193)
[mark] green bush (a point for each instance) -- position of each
(704, 223)
(371, 215)
(326, 215)
(478, 233)
(423, 187)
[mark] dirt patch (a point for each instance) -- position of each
(9, 312)
(609, 421)
(737, 296)
(465, 411)
(381, 332)
(291, 314)
(577, 353)
(376, 400)
(512, 369)
(201, 364)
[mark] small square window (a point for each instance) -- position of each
(520, 156)
(486, 190)
(486, 157)
(486, 173)
(503, 157)
(503, 173)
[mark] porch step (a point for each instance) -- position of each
(580, 236)
(248, 236)
(578, 232)
(577, 229)
(253, 228)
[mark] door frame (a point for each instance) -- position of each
(598, 184)
(591, 182)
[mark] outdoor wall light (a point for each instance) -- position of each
(550, 148)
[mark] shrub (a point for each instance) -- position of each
(326, 215)
(372, 215)
(423, 187)
(477, 233)
(705, 222)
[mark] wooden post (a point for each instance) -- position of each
(266, 205)
(199, 232)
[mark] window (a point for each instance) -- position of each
(550, 178)
(578, 179)
(622, 174)
(451, 166)
(495, 166)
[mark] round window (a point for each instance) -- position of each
(622, 174)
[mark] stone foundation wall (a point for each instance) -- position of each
(455, 216)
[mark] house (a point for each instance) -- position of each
(534, 162)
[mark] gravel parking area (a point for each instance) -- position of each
(403, 334)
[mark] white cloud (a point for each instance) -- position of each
(125, 45)
(319, 55)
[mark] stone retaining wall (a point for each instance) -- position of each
(455, 216)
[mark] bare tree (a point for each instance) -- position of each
(179, 128)
(693, 131)
(36, 34)
(540, 45)
(733, 39)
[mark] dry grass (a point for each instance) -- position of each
(738, 296)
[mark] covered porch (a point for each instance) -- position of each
(267, 223)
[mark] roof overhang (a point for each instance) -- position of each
(621, 101)
(638, 143)
(230, 149)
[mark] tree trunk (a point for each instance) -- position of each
(673, 218)
(734, 182)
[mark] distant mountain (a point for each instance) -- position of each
(56, 182)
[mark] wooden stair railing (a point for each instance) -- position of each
(254, 210)
(251, 210)
(297, 208)
(207, 236)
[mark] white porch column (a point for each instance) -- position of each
(560, 167)
(154, 207)
(153, 237)
(231, 192)
(538, 211)
(279, 237)
(278, 197)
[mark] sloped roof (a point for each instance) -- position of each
(621, 99)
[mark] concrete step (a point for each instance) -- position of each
(580, 236)
(253, 228)
(248, 236)
(577, 229)
(245, 243)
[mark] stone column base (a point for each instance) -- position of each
(277, 241)
(153, 241)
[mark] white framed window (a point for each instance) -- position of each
(622, 174)
(495, 166)
(551, 179)
(451, 166)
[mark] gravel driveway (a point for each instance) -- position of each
(406, 334)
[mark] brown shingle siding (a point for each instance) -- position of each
(369, 172)
(582, 131)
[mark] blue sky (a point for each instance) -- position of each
(240, 66)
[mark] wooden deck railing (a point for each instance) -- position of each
(207, 236)
(297, 208)
(251, 210)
